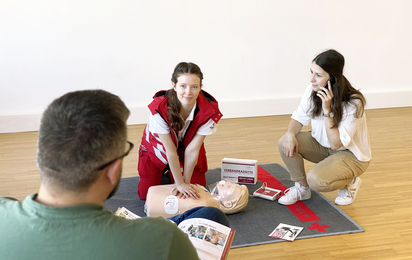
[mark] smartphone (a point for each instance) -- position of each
(332, 81)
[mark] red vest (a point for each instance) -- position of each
(207, 108)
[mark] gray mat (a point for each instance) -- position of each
(254, 224)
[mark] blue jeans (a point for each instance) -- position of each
(211, 213)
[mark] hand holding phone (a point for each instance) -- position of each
(332, 81)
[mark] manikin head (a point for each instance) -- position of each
(233, 197)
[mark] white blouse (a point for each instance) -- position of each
(353, 131)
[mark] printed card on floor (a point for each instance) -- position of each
(286, 232)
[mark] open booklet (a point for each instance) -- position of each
(211, 239)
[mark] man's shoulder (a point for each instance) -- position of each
(124, 237)
(155, 231)
(3, 198)
(6, 202)
(158, 223)
(156, 228)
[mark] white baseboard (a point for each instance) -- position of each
(230, 109)
(19, 123)
(388, 99)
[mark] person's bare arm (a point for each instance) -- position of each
(184, 188)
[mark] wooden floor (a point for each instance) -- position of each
(383, 206)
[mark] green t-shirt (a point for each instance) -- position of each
(29, 230)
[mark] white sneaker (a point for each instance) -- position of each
(295, 194)
(347, 196)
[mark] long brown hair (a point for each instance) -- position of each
(333, 62)
(174, 105)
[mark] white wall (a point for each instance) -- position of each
(255, 55)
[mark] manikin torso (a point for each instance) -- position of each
(227, 196)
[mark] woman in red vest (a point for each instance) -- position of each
(172, 141)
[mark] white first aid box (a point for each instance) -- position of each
(239, 170)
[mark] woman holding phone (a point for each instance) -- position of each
(339, 141)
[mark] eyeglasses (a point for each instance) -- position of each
(131, 145)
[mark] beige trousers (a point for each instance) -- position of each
(333, 170)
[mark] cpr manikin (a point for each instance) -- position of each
(228, 197)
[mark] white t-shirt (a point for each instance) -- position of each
(353, 131)
(158, 125)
